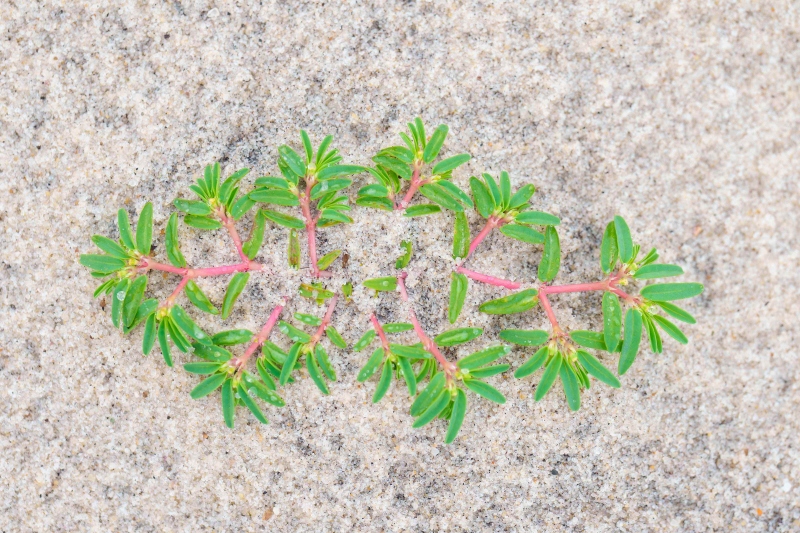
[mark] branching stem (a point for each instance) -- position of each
(485, 278)
(326, 320)
(448, 367)
(415, 184)
(262, 336)
(311, 228)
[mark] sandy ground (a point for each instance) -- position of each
(683, 119)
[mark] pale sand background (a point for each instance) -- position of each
(683, 119)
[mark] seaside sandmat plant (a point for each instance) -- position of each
(314, 183)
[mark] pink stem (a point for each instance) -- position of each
(192, 273)
(545, 303)
(416, 183)
(177, 292)
(379, 330)
(228, 222)
(577, 287)
(448, 367)
(491, 223)
(262, 336)
(326, 320)
(485, 278)
(311, 228)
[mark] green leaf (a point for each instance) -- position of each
(294, 162)
(209, 352)
(326, 260)
(146, 308)
(374, 189)
(589, 339)
(436, 407)
(397, 327)
(513, 303)
(421, 210)
(461, 236)
(183, 321)
(253, 245)
(232, 337)
(652, 333)
(630, 344)
(404, 259)
(271, 182)
(265, 371)
(372, 365)
(484, 389)
(505, 189)
(178, 338)
(110, 247)
(457, 336)
(483, 357)
(306, 145)
(571, 388)
(228, 189)
(171, 242)
(335, 338)
(488, 371)
(522, 196)
(594, 367)
(202, 368)
(438, 194)
(144, 229)
(456, 416)
(537, 218)
(365, 340)
(494, 190)
(549, 376)
(288, 365)
(199, 222)
(324, 187)
(199, 299)
(192, 207)
(533, 364)
(235, 288)
(658, 271)
(228, 403)
(102, 263)
(446, 165)
(671, 329)
(275, 196)
(294, 334)
(207, 386)
(383, 382)
(612, 320)
(428, 395)
(522, 233)
(676, 312)
(163, 341)
(665, 292)
(263, 391)
(248, 401)
(454, 191)
(525, 337)
(315, 374)
(117, 301)
(624, 241)
(133, 298)
(293, 250)
(339, 171)
(311, 320)
(283, 220)
(411, 352)
(149, 338)
(551, 257)
(375, 202)
(608, 249)
(483, 199)
(458, 293)
(435, 143)
(242, 206)
(125, 233)
(106, 287)
(324, 363)
(388, 283)
(408, 375)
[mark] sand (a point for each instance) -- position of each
(682, 118)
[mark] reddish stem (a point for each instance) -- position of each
(311, 228)
(545, 303)
(228, 222)
(448, 367)
(262, 336)
(491, 223)
(414, 186)
(485, 278)
(576, 287)
(379, 330)
(148, 264)
(171, 298)
(326, 320)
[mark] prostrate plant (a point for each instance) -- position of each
(444, 396)
(313, 183)
(396, 165)
(512, 215)
(562, 355)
